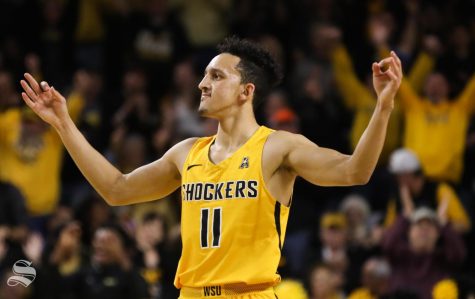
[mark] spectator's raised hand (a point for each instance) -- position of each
(45, 101)
(33, 247)
(406, 201)
(380, 29)
(442, 211)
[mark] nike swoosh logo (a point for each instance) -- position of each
(193, 165)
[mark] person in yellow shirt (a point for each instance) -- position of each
(237, 185)
(410, 178)
(31, 154)
(358, 96)
(436, 127)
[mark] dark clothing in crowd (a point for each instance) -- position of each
(419, 272)
(91, 282)
(12, 215)
(12, 206)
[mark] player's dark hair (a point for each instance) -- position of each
(256, 65)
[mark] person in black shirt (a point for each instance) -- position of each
(13, 230)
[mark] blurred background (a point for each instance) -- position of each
(130, 69)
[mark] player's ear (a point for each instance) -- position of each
(247, 92)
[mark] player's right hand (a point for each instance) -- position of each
(45, 101)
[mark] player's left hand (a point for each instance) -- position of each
(387, 76)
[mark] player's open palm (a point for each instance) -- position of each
(44, 100)
(387, 76)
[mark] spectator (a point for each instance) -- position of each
(8, 95)
(205, 21)
(185, 100)
(134, 111)
(422, 249)
(92, 213)
(108, 274)
(276, 100)
(315, 98)
(28, 149)
(285, 119)
(362, 232)
(334, 251)
(158, 42)
(91, 28)
(63, 257)
(131, 153)
(87, 89)
(409, 176)
(13, 225)
(376, 274)
(325, 283)
(458, 63)
(155, 257)
(432, 121)
(56, 41)
(147, 56)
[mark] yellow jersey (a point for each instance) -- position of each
(232, 227)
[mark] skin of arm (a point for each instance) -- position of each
(153, 181)
(149, 182)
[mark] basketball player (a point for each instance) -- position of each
(236, 185)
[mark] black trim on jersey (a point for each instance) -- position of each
(193, 165)
(277, 221)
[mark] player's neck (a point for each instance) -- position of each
(234, 131)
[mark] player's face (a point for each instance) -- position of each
(220, 87)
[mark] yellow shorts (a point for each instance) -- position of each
(223, 292)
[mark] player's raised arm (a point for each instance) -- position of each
(149, 182)
(327, 167)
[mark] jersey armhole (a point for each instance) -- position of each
(261, 173)
(192, 148)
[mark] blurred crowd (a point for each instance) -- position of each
(130, 69)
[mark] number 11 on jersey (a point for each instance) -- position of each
(215, 218)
